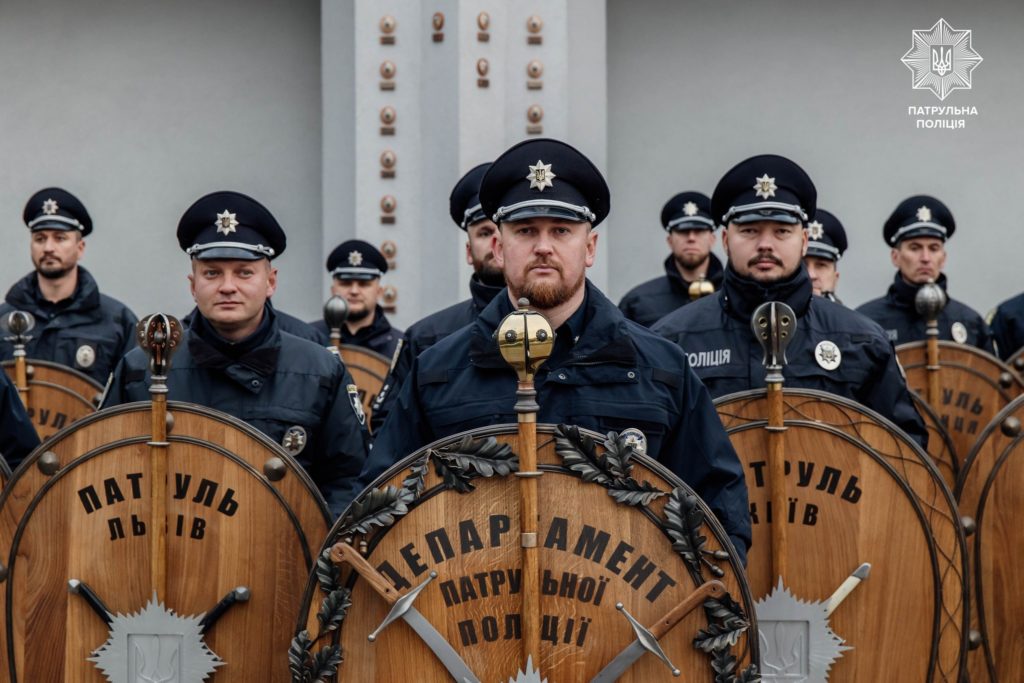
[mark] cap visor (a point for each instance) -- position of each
(691, 225)
(227, 254)
(354, 276)
(821, 253)
(765, 215)
(923, 231)
(54, 225)
(543, 211)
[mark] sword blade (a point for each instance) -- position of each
(620, 664)
(441, 648)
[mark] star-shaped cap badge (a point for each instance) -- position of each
(924, 214)
(50, 207)
(540, 176)
(765, 186)
(355, 259)
(815, 230)
(227, 223)
(690, 209)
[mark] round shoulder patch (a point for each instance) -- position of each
(85, 356)
(959, 332)
(828, 355)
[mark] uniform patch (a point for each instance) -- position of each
(959, 332)
(828, 355)
(636, 439)
(709, 359)
(85, 356)
(357, 404)
(294, 440)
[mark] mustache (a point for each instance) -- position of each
(765, 257)
(543, 263)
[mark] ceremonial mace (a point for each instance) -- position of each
(929, 302)
(20, 323)
(525, 340)
(159, 335)
(335, 315)
(774, 324)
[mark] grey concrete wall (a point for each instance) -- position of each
(694, 87)
(141, 107)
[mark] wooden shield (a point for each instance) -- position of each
(614, 527)
(973, 387)
(940, 445)
(80, 509)
(368, 369)
(859, 490)
(57, 395)
(991, 492)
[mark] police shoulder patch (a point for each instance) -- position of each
(357, 403)
(85, 356)
(959, 332)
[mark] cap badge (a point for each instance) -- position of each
(294, 440)
(924, 214)
(355, 259)
(540, 176)
(50, 207)
(690, 209)
(959, 332)
(815, 230)
(226, 223)
(828, 355)
(765, 186)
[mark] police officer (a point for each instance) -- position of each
(826, 244)
(357, 267)
(235, 358)
(691, 270)
(917, 232)
(764, 203)
(604, 373)
(1008, 326)
(487, 280)
(75, 324)
(17, 435)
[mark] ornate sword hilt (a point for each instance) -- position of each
(647, 639)
(929, 302)
(159, 335)
(773, 324)
(401, 606)
(19, 324)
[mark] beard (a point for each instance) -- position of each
(691, 261)
(355, 316)
(53, 272)
(547, 295)
(487, 272)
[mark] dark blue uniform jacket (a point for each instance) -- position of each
(651, 301)
(1008, 326)
(17, 435)
(715, 333)
(605, 373)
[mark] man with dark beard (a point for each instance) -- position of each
(486, 282)
(764, 202)
(604, 372)
(356, 268)
(75, 324)
(691, 270)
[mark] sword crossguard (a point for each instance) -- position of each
(401, 606)
(647, 639)
(773, 324)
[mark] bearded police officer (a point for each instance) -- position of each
(487, 280)
(826, 244)
(691, 270)
(917, 232)
(356, 268)
(235, 358)
(764, 203)
(604, 373)
(17, 435)
(75, 324)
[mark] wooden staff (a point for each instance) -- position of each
(525, 339)
(159, 335)
(20, 323)
(929, 302)
(774, 325)
(335, 315)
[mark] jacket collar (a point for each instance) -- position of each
(26, 295)
(742, 295)
(380, 326)
(258, 352)
(902, 293)
(482, 292)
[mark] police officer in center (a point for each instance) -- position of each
(826, 244)
(235, 358)
(75, 324)
(487, 280)
(604, 373)
(691, 270)
(356, 268)
(917, 232)
(764, 202)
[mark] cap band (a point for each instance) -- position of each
(691, 219)
(244, 246)
(55, 218)
(794, 209)
(821, 246)
(914, 226)
(554, 203)
(340, 272)
(472, 215)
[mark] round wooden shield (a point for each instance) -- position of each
(973, 387)
(368, 369)
(76, 529)
(614, 528)
(57, 395)
(940, 445)
(991, 493)
(858, 491)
